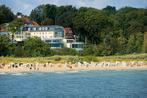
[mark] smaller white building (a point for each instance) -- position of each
(77, 46)
(72, 43)
(67, 42)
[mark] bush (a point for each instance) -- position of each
(57, 59)
(64, 51)
(96, 50)
(36, 47)
(73, 59)
(4, 45)
(89, 59)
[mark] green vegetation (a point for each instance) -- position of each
(14, 27)
(105, 32)
(145, 43)
(4, 45)
(6, 15)
(30, 48)
(73, 59)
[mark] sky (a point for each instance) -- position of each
(26, 6)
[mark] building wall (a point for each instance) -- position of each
(44, 32)
(53, 35)
(68, 42)
(44, 35)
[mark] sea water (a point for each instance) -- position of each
(83, 84)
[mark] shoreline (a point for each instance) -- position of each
(59, 67)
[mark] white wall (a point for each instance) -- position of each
(42, 34)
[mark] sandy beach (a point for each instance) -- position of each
(79, 66)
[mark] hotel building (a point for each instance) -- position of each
(56, 36)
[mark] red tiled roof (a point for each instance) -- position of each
(29, 21)
(68, 33)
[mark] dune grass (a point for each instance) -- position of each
(127, 58)
(73, 59)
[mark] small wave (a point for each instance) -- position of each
(18, 74)
(72, 71)
(66, 72)
(2, 73)
(59, 72)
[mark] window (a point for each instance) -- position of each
(43, 28)
(58, 45)
(77, 45)
(69, 41)
(49, 41)
(40, 28)
(55, 40)
(29, 29)
(34, 29)
(46, 28)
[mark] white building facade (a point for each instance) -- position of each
(53, 35)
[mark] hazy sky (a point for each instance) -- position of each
(25, 6)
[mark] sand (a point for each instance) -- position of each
(49, 67)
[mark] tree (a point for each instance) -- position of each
(37, 14)
(89, 22)
(44, 13)
(121, 45)
(109, 10)
(50, 11)
(145, 43)
(135, 43)
(66, 19)
(15, 26)
(65, 15)
(47, 21)
(6, 15)
(4, 45)
(129, 20)
(36, 47)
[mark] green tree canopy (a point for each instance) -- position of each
(4, 45)
(109, 10)
(89, 22)
(6, 15)
(36, 47)
(15, 25)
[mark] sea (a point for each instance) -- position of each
(75, 84)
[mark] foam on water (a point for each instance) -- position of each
(59, 72)
(18, 74)
(2, 73)
(72, 71)
(63, 72)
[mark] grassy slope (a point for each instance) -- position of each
(63, 59)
